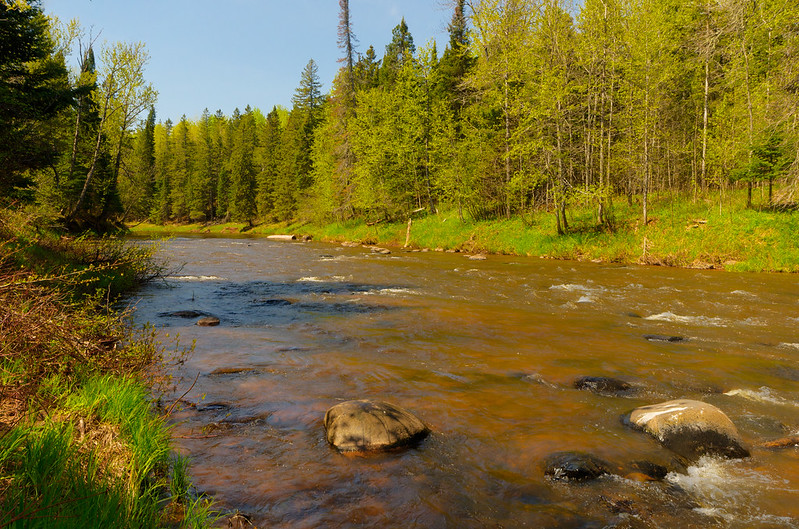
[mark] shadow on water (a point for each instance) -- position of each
(273, 303)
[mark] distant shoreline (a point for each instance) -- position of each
(681, 233)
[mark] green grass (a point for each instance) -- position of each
(81, 444)
(714, 231)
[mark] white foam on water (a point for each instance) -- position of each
(744, 293)
(586, 299)
(571, 288)
(789, 345)
(764, 394)
(196, 278)
(393, 292)
(316, 279)
(693, 320)
(731, 490)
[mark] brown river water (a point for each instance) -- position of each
(485, 353)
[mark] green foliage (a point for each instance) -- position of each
(34, 91)
(85, 446)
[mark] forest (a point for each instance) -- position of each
(533, 105)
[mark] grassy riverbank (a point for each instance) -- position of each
(80, 443)
(717, 231)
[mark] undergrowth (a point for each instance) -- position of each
(80, 443)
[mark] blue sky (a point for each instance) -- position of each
(223, 55)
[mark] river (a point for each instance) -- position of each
(485, 352)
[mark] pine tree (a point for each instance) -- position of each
(162, 207)
(398, 52)
(271, 164)
(137, 183)
(242, 169)
(367, 70)
(308, 95)
(34, 91)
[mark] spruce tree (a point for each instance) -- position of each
(399, 51)
(34, 91)
(242, 169)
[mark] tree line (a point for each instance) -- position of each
(532, 105)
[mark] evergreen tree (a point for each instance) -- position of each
(398, 52)
(34, 91)
(242, 169)
(271, 164)
(220, 148)
(367, 70)
(308, 95)
(137, 185)
(160, 212)
(180, 169)
(202, 181)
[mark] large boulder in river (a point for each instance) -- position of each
(690, 428)
(366, 425)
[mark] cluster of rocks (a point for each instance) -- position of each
(689, 428)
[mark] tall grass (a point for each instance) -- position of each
(80, 443)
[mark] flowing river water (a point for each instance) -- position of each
(485, 352)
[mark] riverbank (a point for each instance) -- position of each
(80, 443)
(714, 232)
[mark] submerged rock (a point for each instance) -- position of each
(651, 471)
(208, 321)
(603, 385)
(366, 425)
(182, 314)
(690, 428)
(574, 466)
(664, 338)
(232, 370)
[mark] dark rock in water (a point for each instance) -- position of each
(574, 466)
(663, 338)
(649, 469)
(603, 385)
(366, 425)
(214, 406)
(232, 370)
(182, 314)
(787, 372)
(208, 321)
(632, 315)
(690, 428)
(274, 302)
